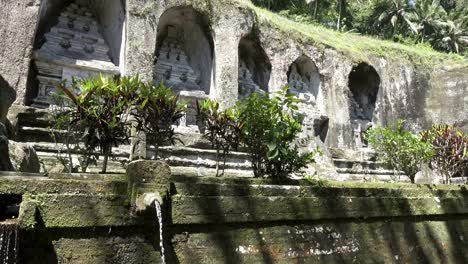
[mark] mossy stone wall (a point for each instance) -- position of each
(213, 220)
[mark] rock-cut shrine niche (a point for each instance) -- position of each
(364, 84)
(184, 57)
(254, 67)
(304, 79)
(73, 47)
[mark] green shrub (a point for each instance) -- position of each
(399, 148)
(222, 129)
(157, 109)
(451, 150)
(269, 127)
(100, 113)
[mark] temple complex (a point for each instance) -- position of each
(168, 204)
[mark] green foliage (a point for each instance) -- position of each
(442, 23)
(399, 148)
(222, 128)
(100, 112)
(269, 128)
(451, 150)
(157, 110)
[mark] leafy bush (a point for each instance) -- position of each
(222, 128)
(157, 110)
(451, 150)
(269, 128)
(105, 109)
(100, 112)
(69, 133)
(399, 148)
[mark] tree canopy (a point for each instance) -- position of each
(443, 24)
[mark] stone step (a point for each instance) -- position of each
(366, 171)
(209, 172)
(122, 151)
(358, 164)
(34, 117)
(192, 157)
(366, 177)
(37, 134)
(50, 161)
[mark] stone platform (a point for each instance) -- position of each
(89, 218)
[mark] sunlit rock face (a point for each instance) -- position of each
(74, 47)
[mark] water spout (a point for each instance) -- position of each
(146, 201)
(157, 207)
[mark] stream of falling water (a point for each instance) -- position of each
(157, 206)
(8, 243)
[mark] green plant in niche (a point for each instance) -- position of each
(399, 148)
(221, 128)
(269, 127)
(101, 112)
(157, 109)
(451, 150)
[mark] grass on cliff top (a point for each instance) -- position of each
(359, 47)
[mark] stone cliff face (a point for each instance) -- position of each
(447, 97)
(421, 93)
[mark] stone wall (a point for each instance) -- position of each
(91, 219)
(447, 98)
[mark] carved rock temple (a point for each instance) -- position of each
(74, 47)
(174, 70)
(173, 210)
(201, 54)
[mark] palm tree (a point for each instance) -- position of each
(397, 11)
(427, 14)
(452, 34)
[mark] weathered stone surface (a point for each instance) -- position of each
(18, 20)
(394, 241)
(24, 157)
(147, 176)
(88, 221)
(428, 176)
(5, 163)
(446, 100)
(7, 97)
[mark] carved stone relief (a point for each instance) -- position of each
(73, 47)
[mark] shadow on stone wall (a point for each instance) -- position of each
(380, 225)
(7, 97)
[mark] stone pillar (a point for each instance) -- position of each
(142, 17)
(228, 31)
(224, 87)
(146, 176)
